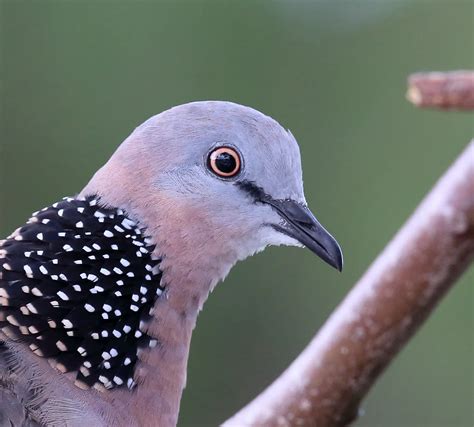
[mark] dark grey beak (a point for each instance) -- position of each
(301, 224)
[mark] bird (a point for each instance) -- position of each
(100, 291)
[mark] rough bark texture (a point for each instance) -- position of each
(452, 90)
(326, 383)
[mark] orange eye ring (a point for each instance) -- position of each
(224, 162)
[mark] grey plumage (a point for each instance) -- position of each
(14, 397)
(201, 186)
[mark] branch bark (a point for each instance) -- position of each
(452, 90)
(326, 383)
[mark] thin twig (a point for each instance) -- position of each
(452, 90)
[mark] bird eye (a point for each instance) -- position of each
(224, 162)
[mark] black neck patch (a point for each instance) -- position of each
(77, 284)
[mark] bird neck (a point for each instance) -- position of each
(161, 371)
(192, 263)
(160, 374)
(188, 277)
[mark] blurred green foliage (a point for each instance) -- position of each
(78, 76)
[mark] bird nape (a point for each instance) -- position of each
(99, 293)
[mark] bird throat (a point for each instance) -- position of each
(78, 284)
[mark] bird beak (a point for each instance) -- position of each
(302, 225)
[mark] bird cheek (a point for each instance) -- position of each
(275, 238)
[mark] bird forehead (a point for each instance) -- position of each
(202, 124)
(176, 143)
(184, 134)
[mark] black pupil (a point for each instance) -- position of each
(225, 162)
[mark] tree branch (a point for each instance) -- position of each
(326, 383)
(452, 90)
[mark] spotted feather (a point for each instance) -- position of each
(77, 283)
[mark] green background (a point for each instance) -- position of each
(78, 76)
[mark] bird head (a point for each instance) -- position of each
(216, 178)
(108, 285)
